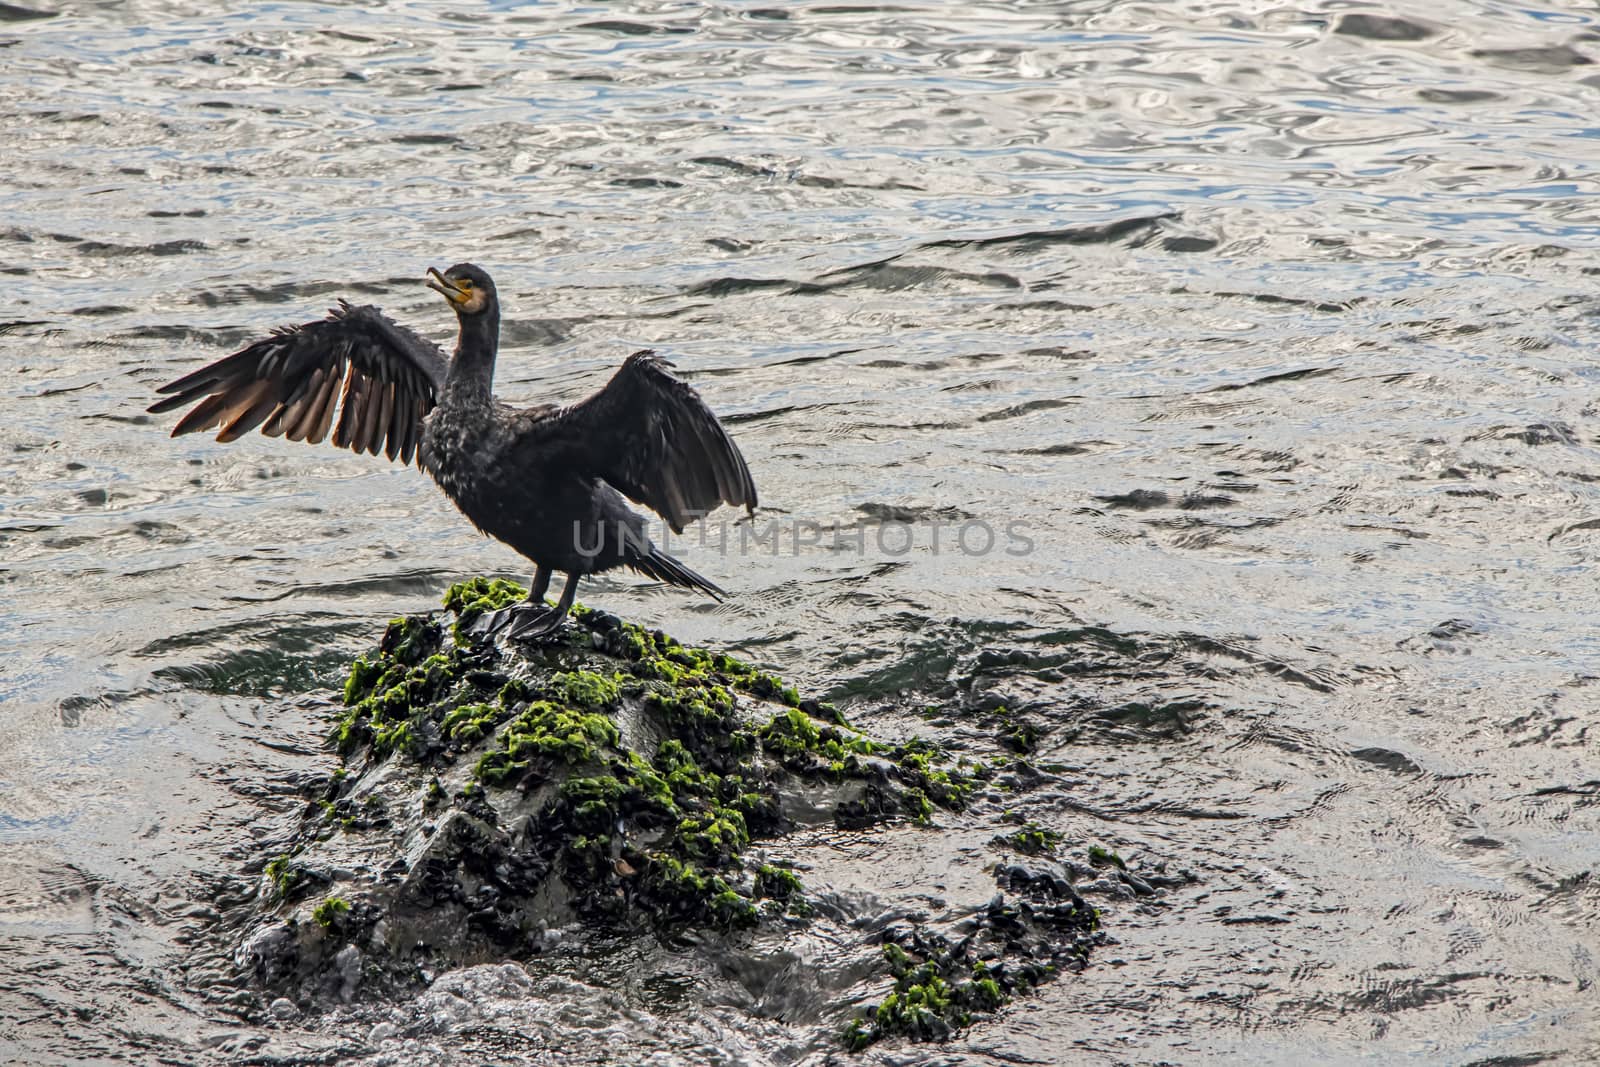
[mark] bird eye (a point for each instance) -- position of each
(465, 283)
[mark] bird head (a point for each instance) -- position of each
(467, 286)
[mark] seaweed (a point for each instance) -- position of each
(942, 984)
(330, 912)
(1030, 839)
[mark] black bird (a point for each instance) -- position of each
(547, 481)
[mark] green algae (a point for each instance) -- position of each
(776, 883)
(585, 689)
(330, 911)
(417, 696)
(924, 1005)
(1030, 839)
(660, 656)
(546, 732)
(469, 722)
(716, 837)
(382, 695)
(943, 984)
(1101, 856)
(684, 877)
(391, 737)
(929, 785)
(805, 746)
(919, 1007)
(703, 806)
(800, 744)
(782, 890)
(283, 875)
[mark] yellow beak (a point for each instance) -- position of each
(439, 283)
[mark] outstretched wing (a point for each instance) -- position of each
(650, 435)
(381, 377)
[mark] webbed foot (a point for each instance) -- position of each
(519, 622)
(489, 623)
(531, 619)
(532, 622)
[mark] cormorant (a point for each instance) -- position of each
(547, 481)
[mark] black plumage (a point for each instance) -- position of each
(547, 481)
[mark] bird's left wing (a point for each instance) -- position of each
(650, 435)
(382, 377)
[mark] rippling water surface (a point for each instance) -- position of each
(1261, 336)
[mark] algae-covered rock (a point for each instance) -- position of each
(618, 780)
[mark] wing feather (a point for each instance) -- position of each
(402, 431)
(317, 431)
(649, 434)
(367, 428)
(378, 377)
(299, 412)
(385, 419)
(252, 406)
(319, 418)
(203, 417)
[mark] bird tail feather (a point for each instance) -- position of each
(662, 567)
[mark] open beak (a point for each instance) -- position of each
(438, 283)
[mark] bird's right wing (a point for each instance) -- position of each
(381, 377)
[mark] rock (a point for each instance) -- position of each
(613, 777)
(495, 802)
(1037, 878)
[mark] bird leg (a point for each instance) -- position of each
(543, 621)
(539, 586)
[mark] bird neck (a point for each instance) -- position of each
(472, 368)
